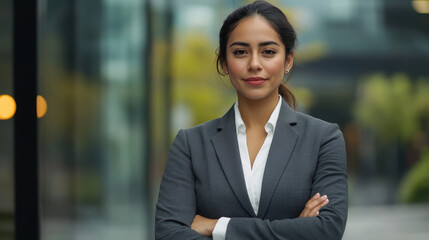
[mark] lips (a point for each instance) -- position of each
(255, 80)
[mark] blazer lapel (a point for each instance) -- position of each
(284, 140)
(226, 147)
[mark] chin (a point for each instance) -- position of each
(256, 95)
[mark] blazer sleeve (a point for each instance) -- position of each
(176, 206)
(331, 179)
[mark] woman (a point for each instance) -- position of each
(263, 170)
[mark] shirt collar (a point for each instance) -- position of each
(270, 126)
(239, 124)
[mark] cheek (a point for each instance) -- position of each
(234, 67)
(276, 67)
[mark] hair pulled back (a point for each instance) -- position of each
(278, 21)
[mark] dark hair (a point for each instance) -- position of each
(278, 21)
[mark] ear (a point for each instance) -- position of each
(225, 68)
(289, 61)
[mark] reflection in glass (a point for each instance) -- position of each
(92, 138)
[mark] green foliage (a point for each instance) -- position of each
(195, 81)
(392, 107)
(304, 97)
(415, 186)
(422, 103)
(397, 111)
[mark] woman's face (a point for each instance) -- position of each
(256, 59)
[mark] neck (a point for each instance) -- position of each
(255, 113)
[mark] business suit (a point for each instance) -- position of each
(203, 175)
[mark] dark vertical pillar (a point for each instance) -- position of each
(169, 68)
(159, 31)
(25, 91)
(148, 66)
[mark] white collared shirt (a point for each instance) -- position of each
(252, 175)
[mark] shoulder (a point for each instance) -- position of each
(310, 121)
(202, 134)
(304, 123)
(315, 126)
(210, 128)
(206, 129)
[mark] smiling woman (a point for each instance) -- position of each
(256, 55)
(263, 170)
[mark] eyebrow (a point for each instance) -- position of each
(248, 45)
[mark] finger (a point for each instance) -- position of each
(311, 201)
(315, 202)
(306, 209)
(315, 211)
(313, 206)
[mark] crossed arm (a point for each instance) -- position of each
(179, 220)
(205, 226)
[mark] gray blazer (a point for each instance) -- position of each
(203, 175)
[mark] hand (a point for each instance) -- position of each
(313, 205)
(203, 225)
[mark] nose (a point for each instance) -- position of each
(254, 64)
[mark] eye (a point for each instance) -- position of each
(269, 52)
(239, 52)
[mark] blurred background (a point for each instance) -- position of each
(117, 79)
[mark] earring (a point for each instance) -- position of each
(287, 71)
(226, 71)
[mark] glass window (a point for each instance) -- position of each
(93, 137)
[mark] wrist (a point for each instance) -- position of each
(211, 226)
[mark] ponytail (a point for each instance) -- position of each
(287, 95)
